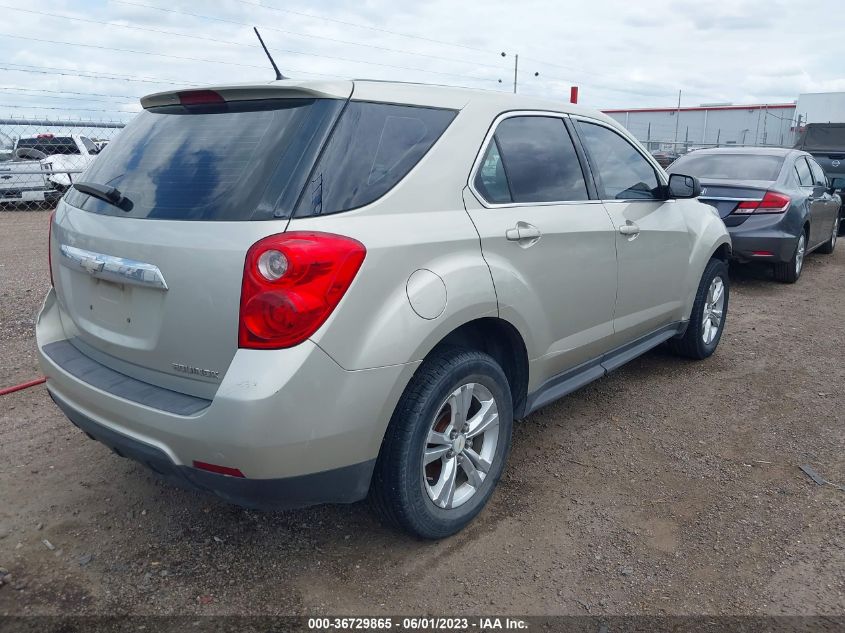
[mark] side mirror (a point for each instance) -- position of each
(681, 186)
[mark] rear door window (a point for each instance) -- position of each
(802, 172)
(623, 172)
(491, 181)
(818, 173)
(373, 147)
(531, 159)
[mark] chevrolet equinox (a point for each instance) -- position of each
(314, 292)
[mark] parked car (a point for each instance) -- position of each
(58, 154)
(7, 147)
(23, 182)
(776, 203)
(369, 311)
(826, 142)
(665, 158)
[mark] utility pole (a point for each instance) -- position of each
(516, 72)
(677, 121)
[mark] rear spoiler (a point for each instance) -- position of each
(284, 89)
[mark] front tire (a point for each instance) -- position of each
(446, 445)
(709, 311)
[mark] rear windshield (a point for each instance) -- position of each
(729, 166)
(50, 145)
(238, 161)
(260, 159)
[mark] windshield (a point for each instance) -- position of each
(239, 161)
(729, 166)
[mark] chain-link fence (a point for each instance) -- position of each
(40, 158)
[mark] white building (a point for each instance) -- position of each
(821, 107)
(710, 125)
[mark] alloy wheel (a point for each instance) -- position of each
(461, 446)
(799, 254)
(714, 307)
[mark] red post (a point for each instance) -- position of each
(573, 94)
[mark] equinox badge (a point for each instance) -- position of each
(188, 369)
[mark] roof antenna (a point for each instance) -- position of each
(279, 75)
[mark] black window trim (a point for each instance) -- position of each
(662, 181)
(592, 193)
(795, 170)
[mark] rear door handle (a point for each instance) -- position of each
(630, 229)
(523, 231)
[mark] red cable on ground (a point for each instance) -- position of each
(25, 385)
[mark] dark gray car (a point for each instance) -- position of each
(777, 203)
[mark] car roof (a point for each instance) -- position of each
(759, 151)
(405, 93)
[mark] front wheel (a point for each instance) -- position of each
(446, 445)
(709, 311)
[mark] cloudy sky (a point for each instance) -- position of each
(92, 59)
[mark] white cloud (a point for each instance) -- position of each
(621, 54)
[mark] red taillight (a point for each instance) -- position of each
(50, 245)
(292, 283)
(220, 470)
(200, 97)
(771, 203)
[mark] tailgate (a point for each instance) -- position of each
(149, 282)
(163, 309)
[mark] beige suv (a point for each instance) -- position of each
(307, 292)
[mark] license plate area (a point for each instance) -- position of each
(124, 315)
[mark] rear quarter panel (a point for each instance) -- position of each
(420, 224)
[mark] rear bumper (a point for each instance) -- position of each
(299, 427)
(340, 485)
(771, 234)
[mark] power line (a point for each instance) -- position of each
(365, 26)
(62, 97)
(51, 70)
(219, 41)
(70, 92)
(127, 50)
(36, 107)
(230, 63)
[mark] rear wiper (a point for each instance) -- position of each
(104, 193)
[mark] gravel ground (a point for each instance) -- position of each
(669, 487)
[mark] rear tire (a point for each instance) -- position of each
(789, 272)
(444, 429)
(709, 311)
(827, 247)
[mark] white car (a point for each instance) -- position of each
(59, 154)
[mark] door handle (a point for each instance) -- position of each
(523, 231)
(630, 229)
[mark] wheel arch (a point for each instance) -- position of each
(501, 340)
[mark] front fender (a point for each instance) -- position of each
(709, 236)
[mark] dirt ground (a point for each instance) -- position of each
(669, 487)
